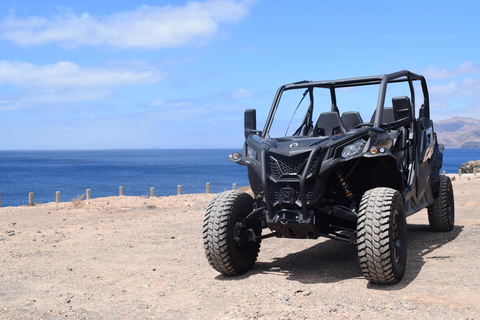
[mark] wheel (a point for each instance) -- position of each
(441, 213)
(228, 242)
(382, 236)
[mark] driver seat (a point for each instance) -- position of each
(351, 119)
(328, 124)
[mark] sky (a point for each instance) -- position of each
(179, 74)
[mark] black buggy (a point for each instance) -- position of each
(341, 176)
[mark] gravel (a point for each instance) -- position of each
(137, 257)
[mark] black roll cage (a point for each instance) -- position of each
(382, 80)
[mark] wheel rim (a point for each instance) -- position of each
(397, 236)
(240, 236)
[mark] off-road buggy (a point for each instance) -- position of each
(339, 177)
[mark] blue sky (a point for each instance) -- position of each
(179, 74)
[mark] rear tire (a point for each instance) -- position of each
(382, 236)
(441, 213)
(225, 240)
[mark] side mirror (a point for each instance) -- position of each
(403, 112)
(250, 122)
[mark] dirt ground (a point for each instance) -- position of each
(139, 257)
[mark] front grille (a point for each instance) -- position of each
(286, 172)
(287, 166)
(274, 192)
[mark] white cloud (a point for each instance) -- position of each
(444, 89)
(66, 81)
(148, 27)
(454, 91)
(435, 73)
(221, 104)
(56, 95)
(181, 103)
(68, 74)
(471, 86)
(242, 94)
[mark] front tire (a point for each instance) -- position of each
(382, 236)
(441, 213)
(225, 237)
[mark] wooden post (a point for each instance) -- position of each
(120, 191)
(474, 172)
(57, 197)
(444, 172)
(459, 172)
(234, 186)
(89, 194)
(179, 190)
(207, 188)
(30, 199)
(152, 192)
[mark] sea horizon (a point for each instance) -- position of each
(103, 171)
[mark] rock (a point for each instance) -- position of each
(69, 298)
(468, 167)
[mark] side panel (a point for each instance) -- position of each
(425, 147)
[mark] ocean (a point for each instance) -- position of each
(103, 171)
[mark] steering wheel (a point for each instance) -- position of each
(364, 124)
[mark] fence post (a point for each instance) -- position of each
(89, 194)
(459, 172)
(57, 197)
(179, 190)
(474, 172)
(207, 188)
(30, 199)
(152, 192)
(234, 186)
(120, 191)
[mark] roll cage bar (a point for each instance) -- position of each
(382, 80)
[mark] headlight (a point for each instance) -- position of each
(354, 148)
(234, 156)
(251, 153)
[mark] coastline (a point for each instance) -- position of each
(103, 171)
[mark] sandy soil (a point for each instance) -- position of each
(139, 257)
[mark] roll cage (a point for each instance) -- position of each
(332, 85)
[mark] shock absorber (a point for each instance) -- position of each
(344, 185)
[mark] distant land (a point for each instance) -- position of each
(458, 132)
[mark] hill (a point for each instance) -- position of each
(458, 132)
